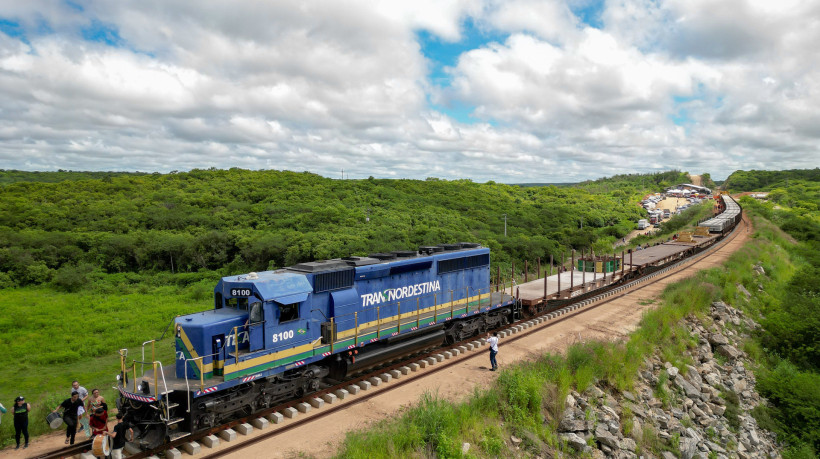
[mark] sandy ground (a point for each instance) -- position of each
(611, 321)
(669, 203)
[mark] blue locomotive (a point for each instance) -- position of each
(277, 335)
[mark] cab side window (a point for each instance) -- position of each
(256, 312)
(288, 312)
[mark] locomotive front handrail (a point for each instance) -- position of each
(153, 356)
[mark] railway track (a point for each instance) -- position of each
(512, 333)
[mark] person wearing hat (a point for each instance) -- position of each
(20, 410)
(70, 407)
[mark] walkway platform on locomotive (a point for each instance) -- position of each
(408, 320)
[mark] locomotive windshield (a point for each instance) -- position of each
(237, 303)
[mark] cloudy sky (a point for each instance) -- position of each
(512, 91)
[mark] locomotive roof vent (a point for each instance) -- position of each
(469, 245)
(360, 261)
(382, 256)
(318, 266)
(448, 247)
(404, 253)
(430, 249)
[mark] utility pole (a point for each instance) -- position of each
(367, 218)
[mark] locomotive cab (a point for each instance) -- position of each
(255, 316)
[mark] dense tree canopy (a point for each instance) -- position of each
(61, 226)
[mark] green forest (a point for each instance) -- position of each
(65, 232)
(788, 345)
(95, 262)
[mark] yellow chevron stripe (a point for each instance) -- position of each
(207, 368)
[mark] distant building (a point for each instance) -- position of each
(685, 189)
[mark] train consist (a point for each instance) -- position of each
(277, 335)
(274, 336)
(727, 219)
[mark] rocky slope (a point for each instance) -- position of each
(699, 411)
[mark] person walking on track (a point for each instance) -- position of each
(493, 342)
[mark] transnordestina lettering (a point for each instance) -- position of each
(393, 294)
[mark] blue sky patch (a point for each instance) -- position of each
(588, 12)
(442, 53)
(13, 29)
(102, 33)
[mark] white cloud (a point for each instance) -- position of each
(332, 85)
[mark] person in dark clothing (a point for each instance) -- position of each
(70, 407)
(21, 409)
(118, 435)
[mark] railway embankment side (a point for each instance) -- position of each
(698, 409)
(690, 381)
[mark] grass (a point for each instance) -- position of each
(51, 339)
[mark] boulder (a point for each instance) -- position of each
(672, 372)
(628, 444)
(720, 307)
(606, 438)
(574, 441)
(712, 379)
(693, 376)
(688, 448)
(716, 339)
(688, 388)
(729, 351)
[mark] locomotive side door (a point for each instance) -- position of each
(256, 326)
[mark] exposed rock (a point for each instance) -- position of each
(728, 351)
(595, 392)
(720, 307)
(688, 388)
(515, 440)
(693, 376)
(628, 395)
(610, 412)
(628, 444)
(713, 379)
(574, 441)
(570, 401)
(672, 372)
(717, 339)
(668, 455)
(759, 269)
(465, 447)
(743, 290)
(606, 438)
(688, 448)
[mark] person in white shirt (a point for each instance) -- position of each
(493, 342)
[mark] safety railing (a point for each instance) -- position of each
(158, 370)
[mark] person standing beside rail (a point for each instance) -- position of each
(493, 342)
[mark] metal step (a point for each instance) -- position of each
(174, 421)
(177, 435)
(171, 406)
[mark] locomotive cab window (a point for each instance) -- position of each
(256, 312)
(288, 312)
(237, 303)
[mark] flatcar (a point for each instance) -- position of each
(277, 335)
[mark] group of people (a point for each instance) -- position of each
(82, 410)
